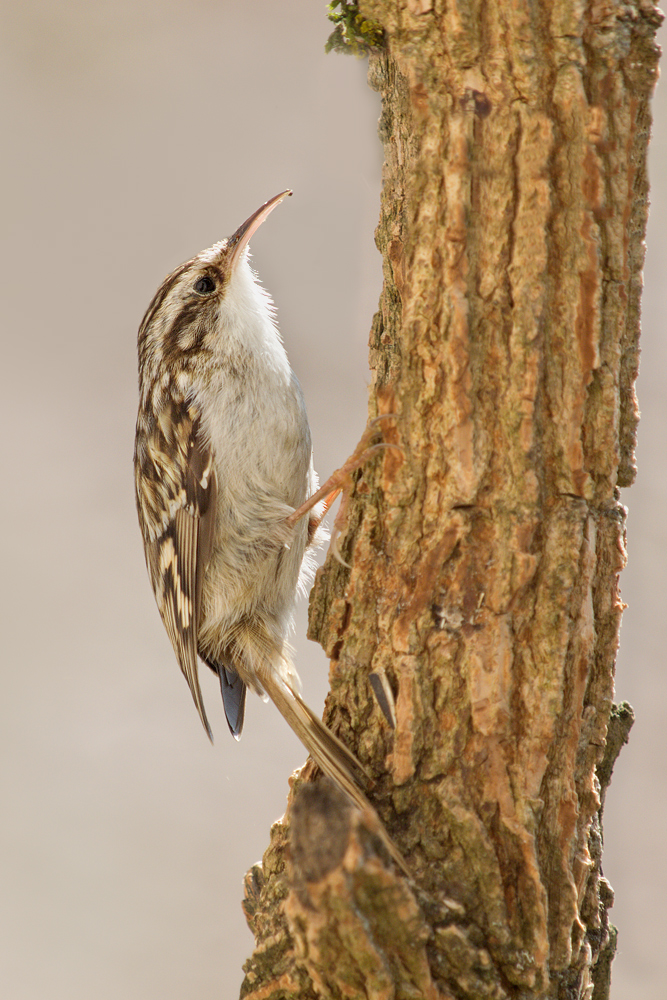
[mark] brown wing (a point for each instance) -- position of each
(176, 493)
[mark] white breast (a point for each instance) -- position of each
(254, 417)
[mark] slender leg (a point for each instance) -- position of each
(340, 479)
(315, 520)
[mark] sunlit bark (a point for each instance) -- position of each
(483, 551)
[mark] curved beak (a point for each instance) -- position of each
(239, 241)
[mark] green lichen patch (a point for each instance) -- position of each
(353, 33)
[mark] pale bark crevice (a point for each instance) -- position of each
(485, 549)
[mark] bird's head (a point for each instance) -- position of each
(209, 300)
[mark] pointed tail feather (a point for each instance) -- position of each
(330, 755)
(233, 698)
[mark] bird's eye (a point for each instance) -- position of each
(204, 285)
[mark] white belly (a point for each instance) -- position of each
(262, 448)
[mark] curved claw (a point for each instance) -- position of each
(334, 549)
(382, 416)
(381, 444)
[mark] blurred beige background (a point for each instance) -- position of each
(134, 135)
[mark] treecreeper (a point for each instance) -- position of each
(226, 492)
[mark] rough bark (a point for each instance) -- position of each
(484, 550)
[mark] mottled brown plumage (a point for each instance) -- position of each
(222, 461)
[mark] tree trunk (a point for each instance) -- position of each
(483, 550)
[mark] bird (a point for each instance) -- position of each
(226, 492)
